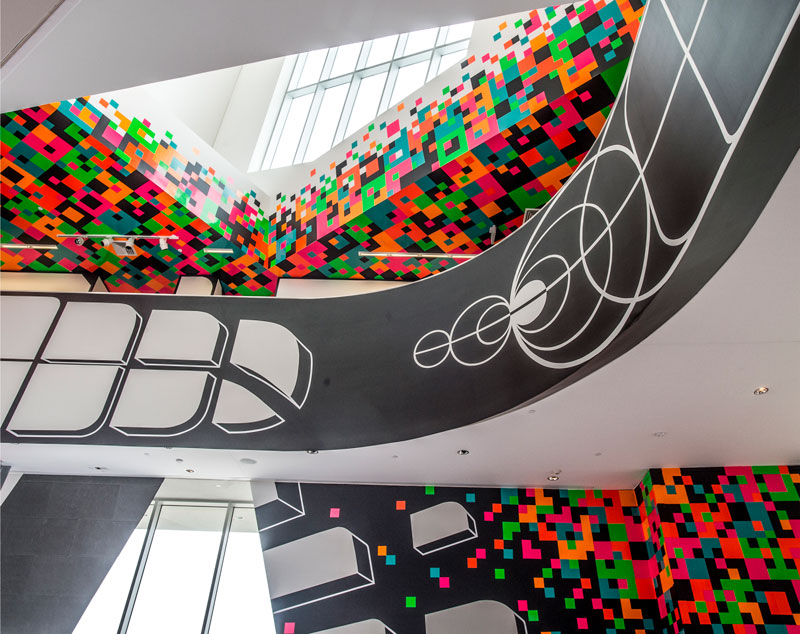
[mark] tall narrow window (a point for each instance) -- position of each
(187, 568)
(334, 92)
(174, 590)
(242, 603)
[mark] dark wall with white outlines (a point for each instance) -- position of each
(60, 536)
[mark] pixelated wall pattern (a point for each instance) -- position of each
(67, 168)
(722, 558)
(563, 561)
(435, 178)
(728, 548)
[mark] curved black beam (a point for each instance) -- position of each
(701, 134)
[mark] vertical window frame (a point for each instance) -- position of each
(141, 565)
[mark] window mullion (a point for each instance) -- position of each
(328, 65)
(347, 109)
(401, 46)
(277, 132)
(298, 70)
(140, 566)
(212, 593)
(308, 128)
(388, 88)
(441, 36)
(366, 49)
(433, 66)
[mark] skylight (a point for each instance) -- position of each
(333, 92)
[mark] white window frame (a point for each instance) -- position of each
(293, 67)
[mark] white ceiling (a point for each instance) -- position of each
(92, 46)
(692, 379)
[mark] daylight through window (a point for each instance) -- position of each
(335, 91)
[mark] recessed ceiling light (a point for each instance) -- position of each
(178, 460)
(463, 452)
(659, 434)
(190, 471)
(247, 461)
(552, 478)
(760, 391)
(312, 451)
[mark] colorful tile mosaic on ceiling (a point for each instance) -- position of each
(433, 178)
(711, 550)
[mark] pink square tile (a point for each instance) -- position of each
(334, 512)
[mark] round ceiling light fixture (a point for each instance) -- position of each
(463, 452)
(659, 434)
(190, 471)
(312, 452)
(760, 391)
(552, 478)
(247, 461)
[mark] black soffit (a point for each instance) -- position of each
(699, 138)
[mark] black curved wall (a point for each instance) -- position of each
(702, 131)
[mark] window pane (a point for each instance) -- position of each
(104, 612)
(420, 41)
(409, 78)
(242, 604)
(366, 102)
(315, 60)
(458, 32)
(451, 58)
(346, 58)
(292, 129)
(382, 50)
(327, 119)
(177, 577)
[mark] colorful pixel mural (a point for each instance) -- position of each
(726, 546)
(68, 168)
(436, 176)
(712, 550)
(431, 177)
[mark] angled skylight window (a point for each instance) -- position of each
(333, 92)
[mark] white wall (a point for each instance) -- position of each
(246, 111)
(310, 288)
(200, 101)
(44, 282)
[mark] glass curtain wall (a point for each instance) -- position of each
(186, 569)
